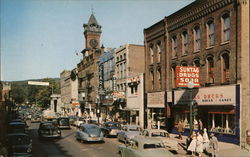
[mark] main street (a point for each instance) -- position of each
(67, 146)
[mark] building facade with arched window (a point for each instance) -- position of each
(207, 34)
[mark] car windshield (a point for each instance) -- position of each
(19, 139)
(48, 126)
(64, 121)
(112, 125)
(153, 146)
(93, 129)
(81, 119)
(17, 128)
(134, 129)
(159, 134)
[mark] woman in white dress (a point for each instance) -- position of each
(205, 140)
(192, 145)
(199, 144)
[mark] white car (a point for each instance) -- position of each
(128, 132)
(162, 135)
(79, 121)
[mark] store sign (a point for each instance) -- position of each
(224, 95)
(118, 95)
(156, 100)
(185, 74)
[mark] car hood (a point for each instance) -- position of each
(132, 134)
(161, 152)
(20, 148)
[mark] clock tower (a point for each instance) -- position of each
(92, 33)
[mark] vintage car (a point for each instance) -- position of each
(141, 146)
(72, 119)
(128, 132)
(89, 133)
(49, 129)
(79, 121)
(17, 127)
(110, 128)
(35, 119)
(63, 123)
(19, 144)
(163, 135)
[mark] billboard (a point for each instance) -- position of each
(38, 83)
(185, 74)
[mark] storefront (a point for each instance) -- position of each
(156, 109)
(218, 109)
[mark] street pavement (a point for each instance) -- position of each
(68, 146)
(225, 149)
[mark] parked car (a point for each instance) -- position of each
(16, 127)
(35, 119)
(19, 144)
(144, 147)
(49, 129)
(63, 123)
(79, 121)
(89, 133)
(163, 135)
(110, 128)
(72, 119)
(128, 132)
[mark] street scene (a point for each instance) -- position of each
(125, 78)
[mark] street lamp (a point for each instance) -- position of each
(190, 87)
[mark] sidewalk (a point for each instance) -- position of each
(225, 149)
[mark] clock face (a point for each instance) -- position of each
(93, 43)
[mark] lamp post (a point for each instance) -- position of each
(190, 87)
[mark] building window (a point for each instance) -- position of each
(184, 63)
(225, 27)
(210, 33)
(151, 55)
(117, 59)
(121, 71)
(197, 63)
(225, 68)
(184, 43)
(159, 78)
(197, 38)
(210, 70)
(118, 70)
(174, 46)
(159, 52)
(125, 69)
(173, 76)
(152, 79)
(124, 56)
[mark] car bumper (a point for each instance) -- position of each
(94, 139)
(64, 127)
(21, 155)
(51, 136)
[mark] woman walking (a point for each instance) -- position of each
(192, 145)
(205, 141)
(199, 144)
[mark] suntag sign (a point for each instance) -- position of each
(185, 74)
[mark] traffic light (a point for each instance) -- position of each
(195, 108)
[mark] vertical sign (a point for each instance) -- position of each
(185, 74)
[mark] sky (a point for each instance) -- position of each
(41, 38)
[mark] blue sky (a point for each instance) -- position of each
(40, 38)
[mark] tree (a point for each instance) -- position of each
(18, 94)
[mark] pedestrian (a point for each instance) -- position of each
(205, 140)
(199, 144)
(214, 145)
(192, 145)
(180, 128)
(200, 125)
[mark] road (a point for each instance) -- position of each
(67, 146)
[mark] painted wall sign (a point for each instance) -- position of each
(185, 74)
(156, 100)
(224, 95)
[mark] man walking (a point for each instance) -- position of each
(180, 128)
(214, 145)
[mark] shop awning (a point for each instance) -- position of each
(223, 112)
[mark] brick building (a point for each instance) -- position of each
(129, 61)
(88, 67)
(214, 36)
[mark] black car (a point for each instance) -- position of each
(19, 144)
(17, 127)
(110, 128)
(63, 123)
(49, 129)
